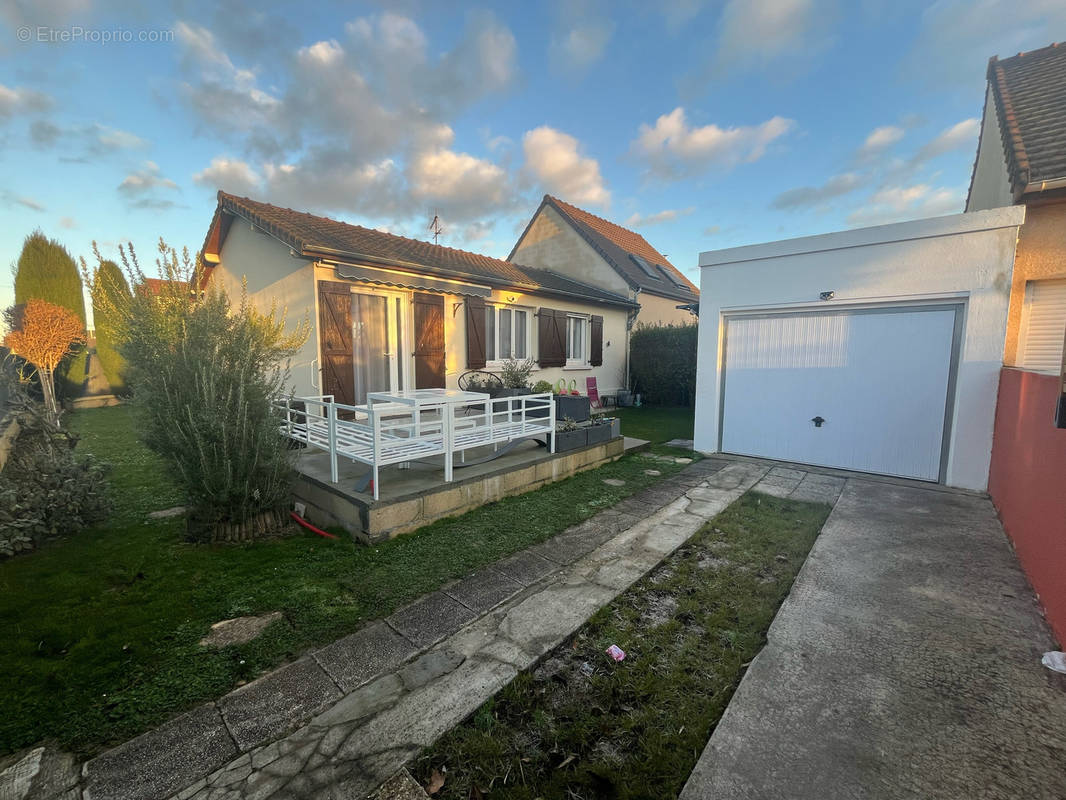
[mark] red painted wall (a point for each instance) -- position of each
(1028, 484)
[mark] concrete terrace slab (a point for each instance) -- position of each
(905, 663)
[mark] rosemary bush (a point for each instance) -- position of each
(203, 373)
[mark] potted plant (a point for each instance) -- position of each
(540, 387)
(599, 431)
(569, 435)
(515, 376)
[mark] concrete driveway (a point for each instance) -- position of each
(904, 664)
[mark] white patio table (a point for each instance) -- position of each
(442, 400)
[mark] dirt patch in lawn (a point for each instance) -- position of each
(581, 725)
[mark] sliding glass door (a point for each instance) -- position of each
(378, 342)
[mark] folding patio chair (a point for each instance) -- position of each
(595, 400)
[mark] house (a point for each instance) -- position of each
(391, 313)
(588, 248)
(876, 349)
(1021, 160)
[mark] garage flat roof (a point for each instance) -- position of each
(1010, 216)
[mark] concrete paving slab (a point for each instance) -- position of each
(773, 489)
(483, 590)
(431, 619)
(162, 761)
(566, 548)
(355, 659)
(905, 663)
(527, 568)
(275, 703)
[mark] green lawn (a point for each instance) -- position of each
(656, 423)
(101, 630)
(580, 725)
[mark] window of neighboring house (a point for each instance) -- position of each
(1043, 326)
(506, 332)
(577, 341)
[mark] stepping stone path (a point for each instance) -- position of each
(614, 482)
(653, 472)
(167, 513)
(238, 630)
(800, 485)
(346, 718)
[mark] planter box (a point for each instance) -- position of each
(598, 433)
(575, 407)
(616, 428)
(570, 440)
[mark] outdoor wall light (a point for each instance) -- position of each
(827, 295)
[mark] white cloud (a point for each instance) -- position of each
(960, 136)
(755, 33)
(583, 28)
(956, 37)
(672, 148)
(812, 196)
(68, 222)
(880, 139)
(658, 218)
(20, 100)
(897, 203)
(229, 175)
(554, 160)
(141, 187)
(358, 123)
(11, 198)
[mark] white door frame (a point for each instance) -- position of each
(400, 372)
(956, 303)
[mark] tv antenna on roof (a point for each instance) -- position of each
(436, 227)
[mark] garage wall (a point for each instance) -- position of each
(965, 257)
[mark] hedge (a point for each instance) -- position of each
(662, 363)
(114, 294)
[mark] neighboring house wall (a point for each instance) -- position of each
(656, 310)
(552, 243)
(966, 256)
(991, 181)
(1028, 462)
(274, 277)
(1041, 256)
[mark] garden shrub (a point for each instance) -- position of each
(46, 489)
(46, 271)
(662, 363)
(203, 374)
(113, 295)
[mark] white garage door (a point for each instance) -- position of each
(878, 379)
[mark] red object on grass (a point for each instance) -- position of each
(311, 527)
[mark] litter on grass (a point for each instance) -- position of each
(1055, 660)
(616, 652)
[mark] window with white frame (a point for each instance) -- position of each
(506, 332)
(1040, 340)
(577, 341)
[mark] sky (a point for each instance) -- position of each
(702, 124)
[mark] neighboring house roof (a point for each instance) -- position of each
(155, 286)
(313, 236)
(1029, 92)
(618, 246)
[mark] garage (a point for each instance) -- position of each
(875, 350)
(867, 389)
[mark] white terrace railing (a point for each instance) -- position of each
(381, 434)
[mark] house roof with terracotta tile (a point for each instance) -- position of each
(1029, 92)
(313, 236)
(641, 265)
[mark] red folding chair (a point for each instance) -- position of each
(593, 392)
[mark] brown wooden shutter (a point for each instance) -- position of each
(429, 340)
(596, 341)
(335, 340)
(475, 332)
(551, 337)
